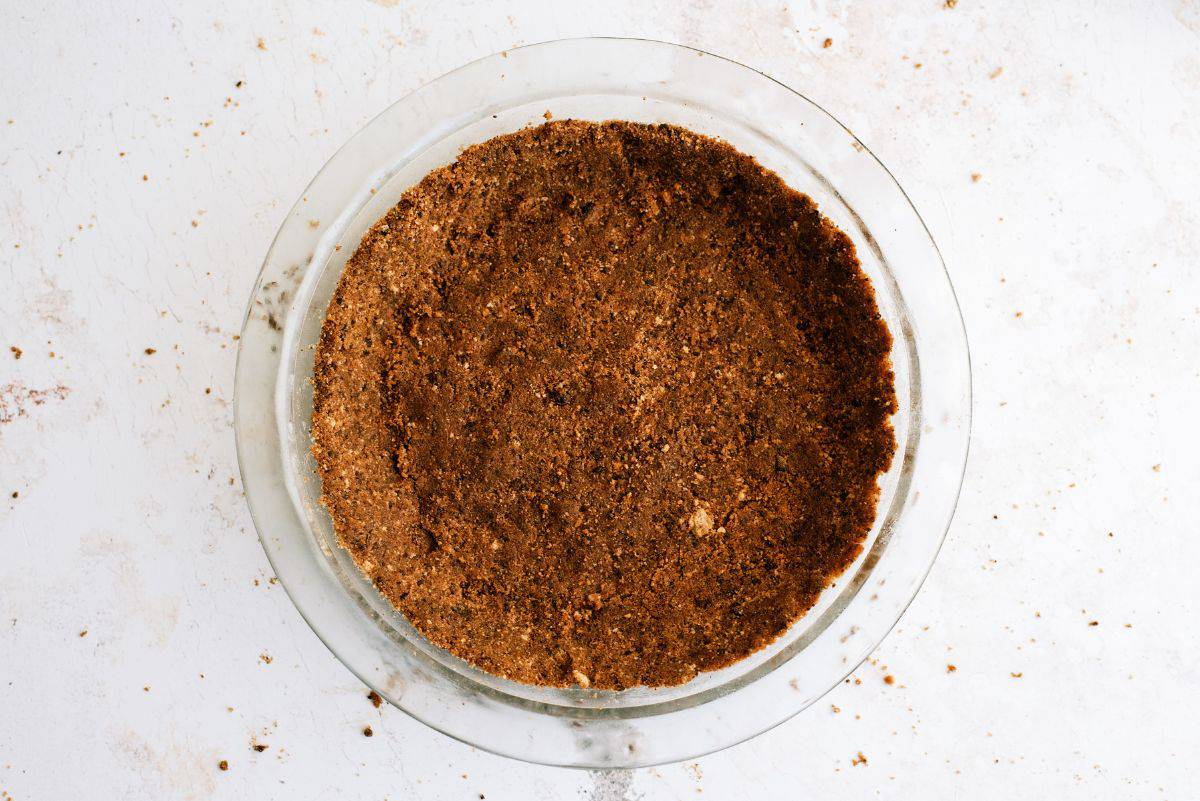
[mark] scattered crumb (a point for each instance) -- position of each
(375, 699)
(16, 352)
(861, 759)
(145, 177)
(15, 493)
(195, 224)
(83, 633)
(259, 747)
(951, 3)
(1017, 675)
(889, 679)
(951, 668)
(223, 764)
(367, 732)
(918, 65)
(975, 177)
(151, 351)
(1094, 623)
(208, 390)
(146, 689)
(1156, 468)
(835, 709)
(262, 44)
(827, 43)
(238, 85)
(996, 73)
(1018, 314)
(265, 657)
(314, 223)
(547, 115)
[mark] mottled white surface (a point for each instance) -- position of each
(139, 190)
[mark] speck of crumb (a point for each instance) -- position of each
(861, 759)
(208, 390)
(238, 85)
(951, 668)
(375, 699)
(262, 43)
(835, 708)
(367, 732)
(918, 65)
(145, 177)
(83, 633)
(1093, 622)
(951, 3)
(223, 764)
(195, 224)
(828, 43)
(975, 177)
(15, 493)
(996, 73)
(16, 352)
(1016, 675)
(547, 115)
(1157, 468)
(259, 747)
(1018, 314)
(146, 689)
(151, 351)
(889, 679)
(265, 657)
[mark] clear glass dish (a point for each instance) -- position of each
(601, 79)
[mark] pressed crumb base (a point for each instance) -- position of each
(603, 404)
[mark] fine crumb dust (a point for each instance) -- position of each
(603, 404)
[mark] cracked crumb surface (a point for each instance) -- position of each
(603, 404)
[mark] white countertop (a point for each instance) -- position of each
(1053, 150)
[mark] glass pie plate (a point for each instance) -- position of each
(600, 79)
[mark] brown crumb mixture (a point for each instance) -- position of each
(603, 404)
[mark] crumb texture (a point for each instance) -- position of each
(603, 404)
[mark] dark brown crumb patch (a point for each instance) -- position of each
(223, 764)
(375, 699)
(603, 405)
(368, 732)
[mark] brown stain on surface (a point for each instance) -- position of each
(16, 399)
